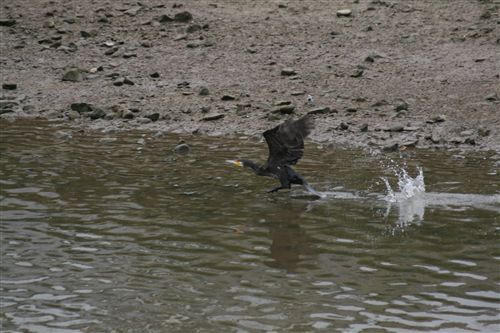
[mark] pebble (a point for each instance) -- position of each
(391, 147)
(322, 110)
(363, 127)
(204, 91)
(437, 119)
(297, 93)
(344, 13)
(288, 71)
(284, 109)
(483, 131)
(9, 86)
(467, 133)
(74, 75)
(343, 126)
(82, 107)
(358, 72)
(396, 128)
(128, 114)
(155, 75)
(165, 19)
(153, 117)
(62, 135)
(492, 97)
(228, 98)
(215, 116)
(144, 120)
(401, 106)
(7, 22)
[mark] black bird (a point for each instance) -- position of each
(286, 147)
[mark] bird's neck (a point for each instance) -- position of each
(252, 166)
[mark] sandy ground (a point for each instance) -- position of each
(392, 75)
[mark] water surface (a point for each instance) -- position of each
(115, 232)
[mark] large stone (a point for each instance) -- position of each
(184, 16)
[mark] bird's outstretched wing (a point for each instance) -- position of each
(286, 141)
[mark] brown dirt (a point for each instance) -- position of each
(435, 57)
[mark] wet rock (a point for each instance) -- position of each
(154, 116)
(184, 16)
(63, 135)
(82, 107)
(214, 116)
(492, 97)
(288, 71)
(9, 86)
(391, 147)
(228, 98)
(344, 13)
(155, 75)
(182, 148)
(284, 109)
(7, 22)
(204, 91)
(322, 110)
(74, 75)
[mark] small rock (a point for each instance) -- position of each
(228, 98)
(128, 81)
(457, 140)
(128, 55)
(322, 110)
(88, 34)
(9, 86)
(144, 120)
(97, 113)
(193, 28)
(155, 75)
(205, 109)
(82, 107)
(401, 106)
(297, 93)
(182, 148)
(470, 141)
(283, 109)
(437, 119)
(363, 127)
(382, 102)
(278, 103)
(351, 110)
(344, 13)
(154, 116)
(119, 82)
(180, 37)
(343, 126)
(483, 131)
(184, 16)
(396, 128)
(165, 19)
(204, 91)
(7, 22)
(128, 114)
(288, 71)
(358, 72)
(74, 75)
(215, 116)
(492, 97)
(467, 133)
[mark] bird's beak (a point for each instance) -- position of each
(235, 162)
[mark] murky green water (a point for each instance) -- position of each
(100, 236)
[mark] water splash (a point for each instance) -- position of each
(409, 197)
(408, 187)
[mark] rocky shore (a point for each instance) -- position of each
(388, 74)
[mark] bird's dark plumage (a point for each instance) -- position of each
(286, 148)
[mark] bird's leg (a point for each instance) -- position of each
(276, 189)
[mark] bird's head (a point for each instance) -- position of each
(244, 163)
(235, 162)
